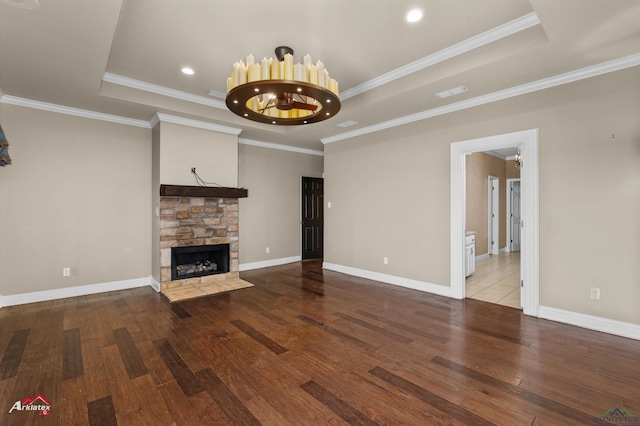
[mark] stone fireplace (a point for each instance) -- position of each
(186, 153)
(198, 236)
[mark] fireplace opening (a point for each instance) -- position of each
(198, 261)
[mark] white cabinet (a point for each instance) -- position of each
(470, 254)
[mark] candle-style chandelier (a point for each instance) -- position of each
(281, 92)
(518, 159)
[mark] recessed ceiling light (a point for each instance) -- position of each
(187, 71)
(414, 15)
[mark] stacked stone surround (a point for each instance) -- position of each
(196, 221)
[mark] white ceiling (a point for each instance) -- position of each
(123, 57)
(504, 153)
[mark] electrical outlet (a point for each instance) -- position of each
(193, 170)
(75, 271)
(66, 272)
(595, 293)
(385, 260)
(267, 250)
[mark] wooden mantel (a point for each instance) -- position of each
(202, 191)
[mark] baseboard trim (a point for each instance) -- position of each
(155, 284)
(390, 279)
(618, 328)
(268, 263)
(482, 257)
(62, 293)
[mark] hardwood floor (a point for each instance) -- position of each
(305, 347)
(496, 280)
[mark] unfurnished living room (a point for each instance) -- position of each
(365, 212)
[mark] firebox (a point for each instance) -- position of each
(198, 261)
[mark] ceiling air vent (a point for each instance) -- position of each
(451, 92)
(347, 123)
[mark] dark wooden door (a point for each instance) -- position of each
(312, 217)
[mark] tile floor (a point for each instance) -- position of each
(496, 280)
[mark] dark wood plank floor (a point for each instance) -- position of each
(305, 347)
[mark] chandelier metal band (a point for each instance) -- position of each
(240, 100)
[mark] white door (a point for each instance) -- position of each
(514, 220)
(494, 203)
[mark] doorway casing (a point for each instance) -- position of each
(527, 140)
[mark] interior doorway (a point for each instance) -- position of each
(496, 276)
(312, 218)
(529, 257)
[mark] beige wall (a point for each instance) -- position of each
(390, 198)
(82, 193)
(213, 154)
(77, 195)
(512, 172)
(390, 193)
(270, 216)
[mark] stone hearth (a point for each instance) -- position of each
(187, 221)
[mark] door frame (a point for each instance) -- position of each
(528, 140)
(493, 230)
(508, 218)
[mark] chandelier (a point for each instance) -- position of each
(281, 92)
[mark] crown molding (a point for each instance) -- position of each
(545, 83)
(158, 117)
(161, 90)
(279, 147)
(495, 34)
(569, 77)
(28, 103)
(193, 123)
